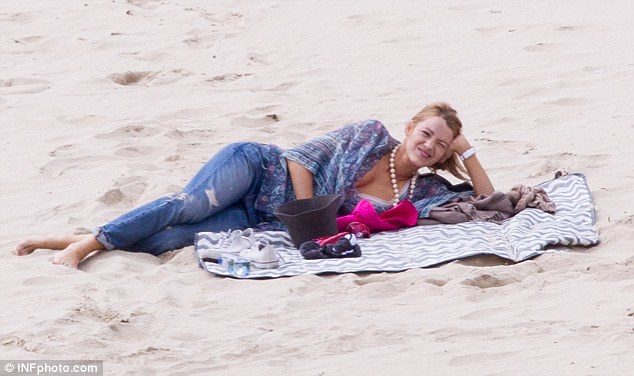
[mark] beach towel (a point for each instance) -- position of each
(529, 233)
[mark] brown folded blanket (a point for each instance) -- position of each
(492, 208)
(523, 197)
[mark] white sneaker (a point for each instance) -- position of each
(206, 240)
(232, 242)
(262, 256)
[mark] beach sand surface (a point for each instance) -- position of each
(108, 105)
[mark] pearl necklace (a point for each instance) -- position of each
(412, 183)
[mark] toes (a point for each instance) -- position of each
(60, 259)
(24, 249)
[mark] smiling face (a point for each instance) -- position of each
(427, 141)
(441, 119)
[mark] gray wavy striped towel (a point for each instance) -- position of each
(529, 233)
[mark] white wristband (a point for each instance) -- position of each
(468, 153)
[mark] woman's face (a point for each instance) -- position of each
(428, 141)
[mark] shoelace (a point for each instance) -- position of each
(228, 238)
(263, 243)
(279, 256)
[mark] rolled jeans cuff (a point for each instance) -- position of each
(102, 238)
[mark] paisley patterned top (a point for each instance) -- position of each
(338, 160)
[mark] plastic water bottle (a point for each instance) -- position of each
(236, 265)
(241, 267)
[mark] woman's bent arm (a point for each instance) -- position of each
(301, 179)
(479, 178)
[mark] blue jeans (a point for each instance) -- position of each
(220, 197)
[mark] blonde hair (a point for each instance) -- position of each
(450, 115)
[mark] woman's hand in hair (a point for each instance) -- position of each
(459, 145)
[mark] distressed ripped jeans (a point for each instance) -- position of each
(219, 197)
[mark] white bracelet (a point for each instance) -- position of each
(468, 153)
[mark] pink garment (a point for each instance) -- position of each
(402, 215)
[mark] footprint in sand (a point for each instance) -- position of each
(195, 41)
(59, 210)
(258, 117)
(132, 78)
(230, 23)
(202, 38)
(171, 76)
(146, 78)
(484, 261)
(113, 197)
(63, 151)
(486, 281)
(132, 130)
(257, 59)
(12, 341)
(20, 85)
(59, 167)
(223, 18)
(127, 191)
(135, 151)
(194, 135)
(436, 281)
(224, 78)
(378, 278)
(627, 221)
(88, 308)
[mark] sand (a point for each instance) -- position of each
(108, 105)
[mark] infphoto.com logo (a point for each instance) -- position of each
(51, 367)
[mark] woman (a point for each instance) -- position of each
(241, 186)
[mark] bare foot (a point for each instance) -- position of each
(54, 242)
(75, 252)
